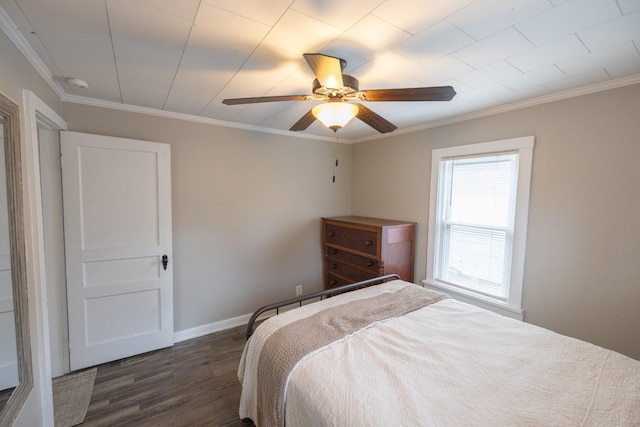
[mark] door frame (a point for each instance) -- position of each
(36, 112)
(54, 253)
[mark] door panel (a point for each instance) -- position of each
(131, 322)
(113, 182)
(117, 214)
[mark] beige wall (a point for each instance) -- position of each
(246, 209)
(582, 270)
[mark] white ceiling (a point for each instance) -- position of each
(186, 56)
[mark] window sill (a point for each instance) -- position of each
(477, 300)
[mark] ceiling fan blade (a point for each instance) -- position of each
(436, 93)
(328, 69)
(375, 120)
(304, 122)
(258, 99)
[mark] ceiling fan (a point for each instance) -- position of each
(337, 89)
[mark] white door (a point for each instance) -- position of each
(117, 220)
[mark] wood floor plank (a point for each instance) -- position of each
(193, 383)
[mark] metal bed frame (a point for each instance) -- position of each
(320, 294)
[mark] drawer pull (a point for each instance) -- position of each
(332, 282)
(368, 243)
(333, 251)
(370, 264)
(331, 234)
(334, 266)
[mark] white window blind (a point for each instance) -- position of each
(475, 223)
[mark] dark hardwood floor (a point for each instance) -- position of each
(193, 383)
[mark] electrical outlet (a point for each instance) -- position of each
(298, 290)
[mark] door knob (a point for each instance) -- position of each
(165, 261)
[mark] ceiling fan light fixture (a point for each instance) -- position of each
(335, 115)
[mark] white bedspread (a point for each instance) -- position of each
(450, 364)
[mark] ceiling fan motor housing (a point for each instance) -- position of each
(350, 86)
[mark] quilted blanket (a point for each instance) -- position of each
(447, 363)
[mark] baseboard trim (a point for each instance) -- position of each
(222, 325)
(210, 328)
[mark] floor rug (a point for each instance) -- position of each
(71, 396)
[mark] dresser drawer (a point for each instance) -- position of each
(358, 240)
(335, 281)
(349, 271)
(349, 258)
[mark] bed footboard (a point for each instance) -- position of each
(320, 294)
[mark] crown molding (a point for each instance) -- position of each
(9, 28)
(186, 117)
(545, 99)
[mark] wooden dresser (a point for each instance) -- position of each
(358, 248)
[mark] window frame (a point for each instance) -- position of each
(512, 307)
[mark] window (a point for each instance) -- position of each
(478, 222)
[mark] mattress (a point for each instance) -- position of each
(441, 363)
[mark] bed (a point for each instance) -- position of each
(396, 354)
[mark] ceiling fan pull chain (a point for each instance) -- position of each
(335, 157)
